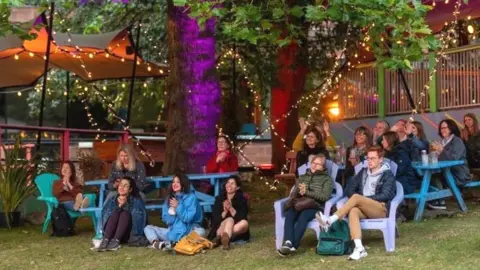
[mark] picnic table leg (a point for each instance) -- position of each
(101, 196)
(453, 187)
(216, 183)
(423, 195)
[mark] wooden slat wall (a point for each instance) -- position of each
(358, 96)
(397, 100)
(459, 79)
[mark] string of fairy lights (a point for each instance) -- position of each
(77, 54)
(445, 38)
(110, 105)
(234, 55)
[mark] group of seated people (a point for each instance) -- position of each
(124, 217)
(403, 143)
(371, 190)
(370, 193)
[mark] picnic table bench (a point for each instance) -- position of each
(429, 193)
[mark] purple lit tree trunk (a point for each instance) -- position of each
(193, 103)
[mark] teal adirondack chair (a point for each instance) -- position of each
(44, 184)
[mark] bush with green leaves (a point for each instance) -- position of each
(16, 179)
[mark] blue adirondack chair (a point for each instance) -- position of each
(44, 184)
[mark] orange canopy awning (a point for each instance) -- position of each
(90, 57)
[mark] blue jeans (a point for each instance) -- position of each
(296, 224)
(68, 205)
(153, 233)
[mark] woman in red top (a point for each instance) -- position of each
(224, 159)
(67, 190)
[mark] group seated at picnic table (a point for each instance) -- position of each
(380, 168)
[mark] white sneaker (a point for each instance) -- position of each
(358, 253)
(322, 220)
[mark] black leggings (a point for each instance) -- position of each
(118, 226)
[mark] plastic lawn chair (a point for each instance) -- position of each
(337, 194)
(387, 225)
(44, 184)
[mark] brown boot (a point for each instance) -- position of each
(225, 241)
(217, 241)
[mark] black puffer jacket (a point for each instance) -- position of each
(473, 150)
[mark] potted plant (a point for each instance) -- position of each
(16, 184)
(91, 166)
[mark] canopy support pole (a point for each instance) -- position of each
(67, 101)
(407, 89)
(45, 73)
(134, 73)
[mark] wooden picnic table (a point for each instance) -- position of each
(429, 193)
(206, 200)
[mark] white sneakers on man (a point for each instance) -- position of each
(358, 253)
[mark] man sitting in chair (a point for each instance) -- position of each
(369, 193)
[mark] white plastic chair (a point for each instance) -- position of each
(337, 194)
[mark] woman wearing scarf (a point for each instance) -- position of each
(451, 147)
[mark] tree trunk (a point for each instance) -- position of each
(291, 77)
(193, 100)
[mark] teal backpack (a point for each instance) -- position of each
(336, 241)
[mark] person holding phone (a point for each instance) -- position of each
(182, 214)
(357, 152)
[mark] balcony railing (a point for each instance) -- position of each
(456, 85)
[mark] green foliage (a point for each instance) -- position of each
(8, 28)
(16, 175)
(395, 30)
(93, 18)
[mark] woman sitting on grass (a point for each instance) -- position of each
(67, 190)
(309, 195)
(123, 216)
(127, 165)
(229, 215)
(181, 212)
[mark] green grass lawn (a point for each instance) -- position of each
(442, 243)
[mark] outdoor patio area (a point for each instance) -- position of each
(443, 242)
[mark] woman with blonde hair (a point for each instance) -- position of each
(127, 165)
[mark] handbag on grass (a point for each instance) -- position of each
(192, 244)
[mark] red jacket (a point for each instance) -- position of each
(230, 164)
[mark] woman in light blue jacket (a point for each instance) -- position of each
(181, 212)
